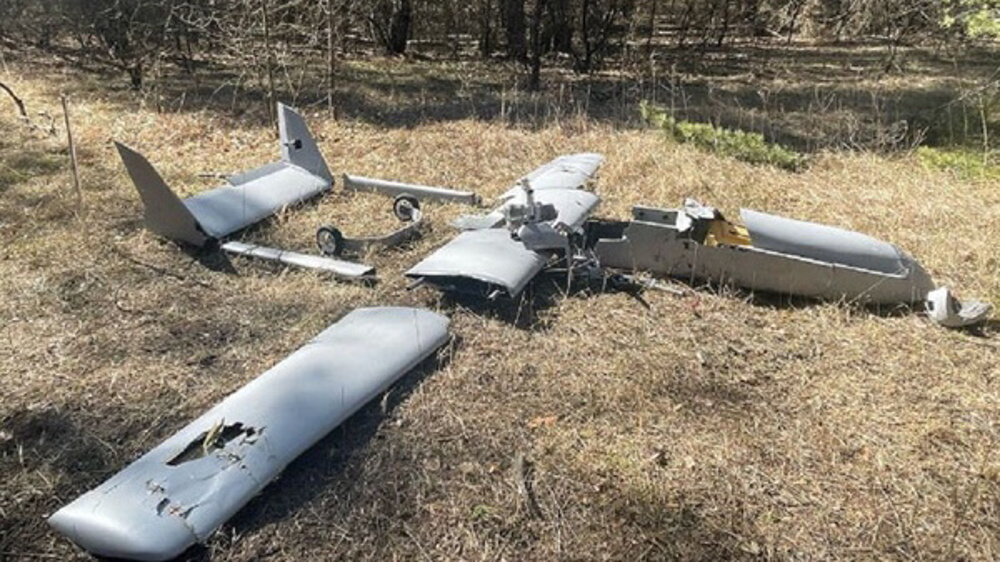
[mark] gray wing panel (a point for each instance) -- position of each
(257, 173)
(179, 492)
(487, 256)
(822, 243)
(226, 209)
(566, 172)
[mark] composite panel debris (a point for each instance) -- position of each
(181, 491)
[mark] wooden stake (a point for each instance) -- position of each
(72, 155)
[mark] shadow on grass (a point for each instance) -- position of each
(36, 442)
(682, 530)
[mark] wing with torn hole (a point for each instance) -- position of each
(185, 488)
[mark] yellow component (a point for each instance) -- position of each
(722, 232)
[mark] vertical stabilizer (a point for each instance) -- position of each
(165, 213)
(298, 146)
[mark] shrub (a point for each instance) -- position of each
(967, 163)
(748, 147)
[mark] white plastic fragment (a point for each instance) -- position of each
(948, 311)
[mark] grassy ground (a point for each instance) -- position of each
(699, 427)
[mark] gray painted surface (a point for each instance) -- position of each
(227, 209)
(572, 171)
(572, 205)
(486, 257)
(248, 198)
(164, 212)
(658, 247)
(409, 231)
(340, 268)
(490, 258)
(180, 492)
(821, 243)
(567, 174)
(298, 146)
(421, 192)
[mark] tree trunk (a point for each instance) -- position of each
(268, 64)
(652, 26)
(588, 51)
(562, 28)
(536, 46)
(399, 27)
(517, 48)
(486, 28)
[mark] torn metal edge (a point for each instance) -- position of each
(946, 310)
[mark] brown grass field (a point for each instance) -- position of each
(710, 426)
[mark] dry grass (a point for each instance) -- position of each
(705, 427)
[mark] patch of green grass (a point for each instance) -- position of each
(967, 163)
(741, 145)
(23, 164)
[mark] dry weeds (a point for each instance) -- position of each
(704, 427)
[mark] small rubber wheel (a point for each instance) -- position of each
(404, 205)
(330, 240)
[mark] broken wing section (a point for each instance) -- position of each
(227, 209)
(184, 489)
(248, 198)
(948, 311)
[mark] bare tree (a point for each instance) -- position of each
(514, 21)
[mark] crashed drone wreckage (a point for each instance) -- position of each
(332, 242)
(181, 491)
(773, 254)
(498, 254)
(253, 196)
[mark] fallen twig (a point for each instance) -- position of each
(17, 101)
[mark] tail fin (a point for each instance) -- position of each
(298, 146)
(165, 213)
